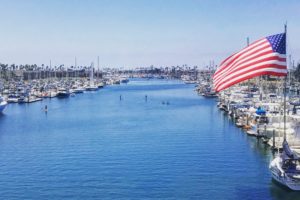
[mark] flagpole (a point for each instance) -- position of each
(284, 93)
(249, 79)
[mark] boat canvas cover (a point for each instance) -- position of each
(288, 152)
(260, 111)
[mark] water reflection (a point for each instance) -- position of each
(280, 192)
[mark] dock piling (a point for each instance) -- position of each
(273, 139)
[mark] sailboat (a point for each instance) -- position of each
(91, 86)
(285, 167)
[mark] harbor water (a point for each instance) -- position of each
(117, 144)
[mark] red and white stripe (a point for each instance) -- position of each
(255, 60)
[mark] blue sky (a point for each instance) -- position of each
(132, 33)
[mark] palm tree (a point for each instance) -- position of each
(297, 72)
(4, 69)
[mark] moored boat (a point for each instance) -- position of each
(13, 98)
(78, 90)
(63, 93)
(2, 104)
(91, 88)
(285, 168)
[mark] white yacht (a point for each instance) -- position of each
(13, 98)
(91, 87)
(32, 99)
(285, 168)
(63, 93)
(2, 104)
(78, 90)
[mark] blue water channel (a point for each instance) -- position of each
(174, 145)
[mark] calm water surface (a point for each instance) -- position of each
(94, 146)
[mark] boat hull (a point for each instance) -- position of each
(78, 91)
(2, 106)
(287, 182)
(91, 88)
(282, 177)
(63, 95)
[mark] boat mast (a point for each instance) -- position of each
(98, 68)
(284, 93)
(289, 66)
(75, 68)
(92, 74)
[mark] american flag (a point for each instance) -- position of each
(266, 56)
